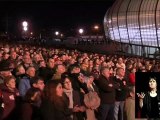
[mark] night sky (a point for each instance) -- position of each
(63, 15)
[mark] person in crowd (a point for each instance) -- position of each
(129, 105)
(150, 101)
(30, 108)
(1, 105)
(36, 59)
(48, 71)
(107, 94)
(37, 82)
(25, 82)
(9, 96)
(26, 61)
(19, 74)
(120, 63)
(121, 92)
(91, 99)
(59, 70)
(55, 104)
(132, 76)
(74, 98)
(77, 79)
(5, 70)
(13, 59)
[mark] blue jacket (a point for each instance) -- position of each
(24, 85)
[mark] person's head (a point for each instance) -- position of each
(13, 55)
(10, 82)
(27, 59)
(42, 63)
(51, 63)
(20, 70)
(104, 64)
(37, 58)
(5, 69)
(31, 71)
(120, 72)
(52, 90)
(105, 71)
(133, 70)
(60, 68)
(66, 82)
(89, 79)
(152, 83)
(120, 60)
(97, 61)
(5, 56)
(131, 91)
(38, 82)
(75, 68)
(84, 66)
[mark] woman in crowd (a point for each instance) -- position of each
(74, 98)
(150, 101)
(55, 104)
(10, 94)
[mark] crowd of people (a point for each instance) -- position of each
(38, 83)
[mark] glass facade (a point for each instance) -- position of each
(135, 23)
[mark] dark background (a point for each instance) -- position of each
(142, 80)
(64, 15)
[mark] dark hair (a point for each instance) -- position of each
(8, 78)
(71, 67)
(63, 78)
(130, 89)
(103, 68)
(153, 78)
(36, 79)
(50, 90)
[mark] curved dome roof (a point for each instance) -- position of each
(134, 22)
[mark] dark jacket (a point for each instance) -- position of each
(62, 112)
(107, 93)
(30, 111)
(151, 109)
(46, 73)
(76, 84)
(1, 105)
(77, 101)
(47, 110)
(56, 111)
(121, 92)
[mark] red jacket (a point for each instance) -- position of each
(132, 78)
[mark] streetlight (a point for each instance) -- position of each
(96, 27)
(25, 23)
(81, 31)
(61, 35)
(25, 28)
(56, 33)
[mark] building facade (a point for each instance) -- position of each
(135, 24)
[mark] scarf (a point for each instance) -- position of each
(69, 94)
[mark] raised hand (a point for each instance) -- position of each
(141, 96)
